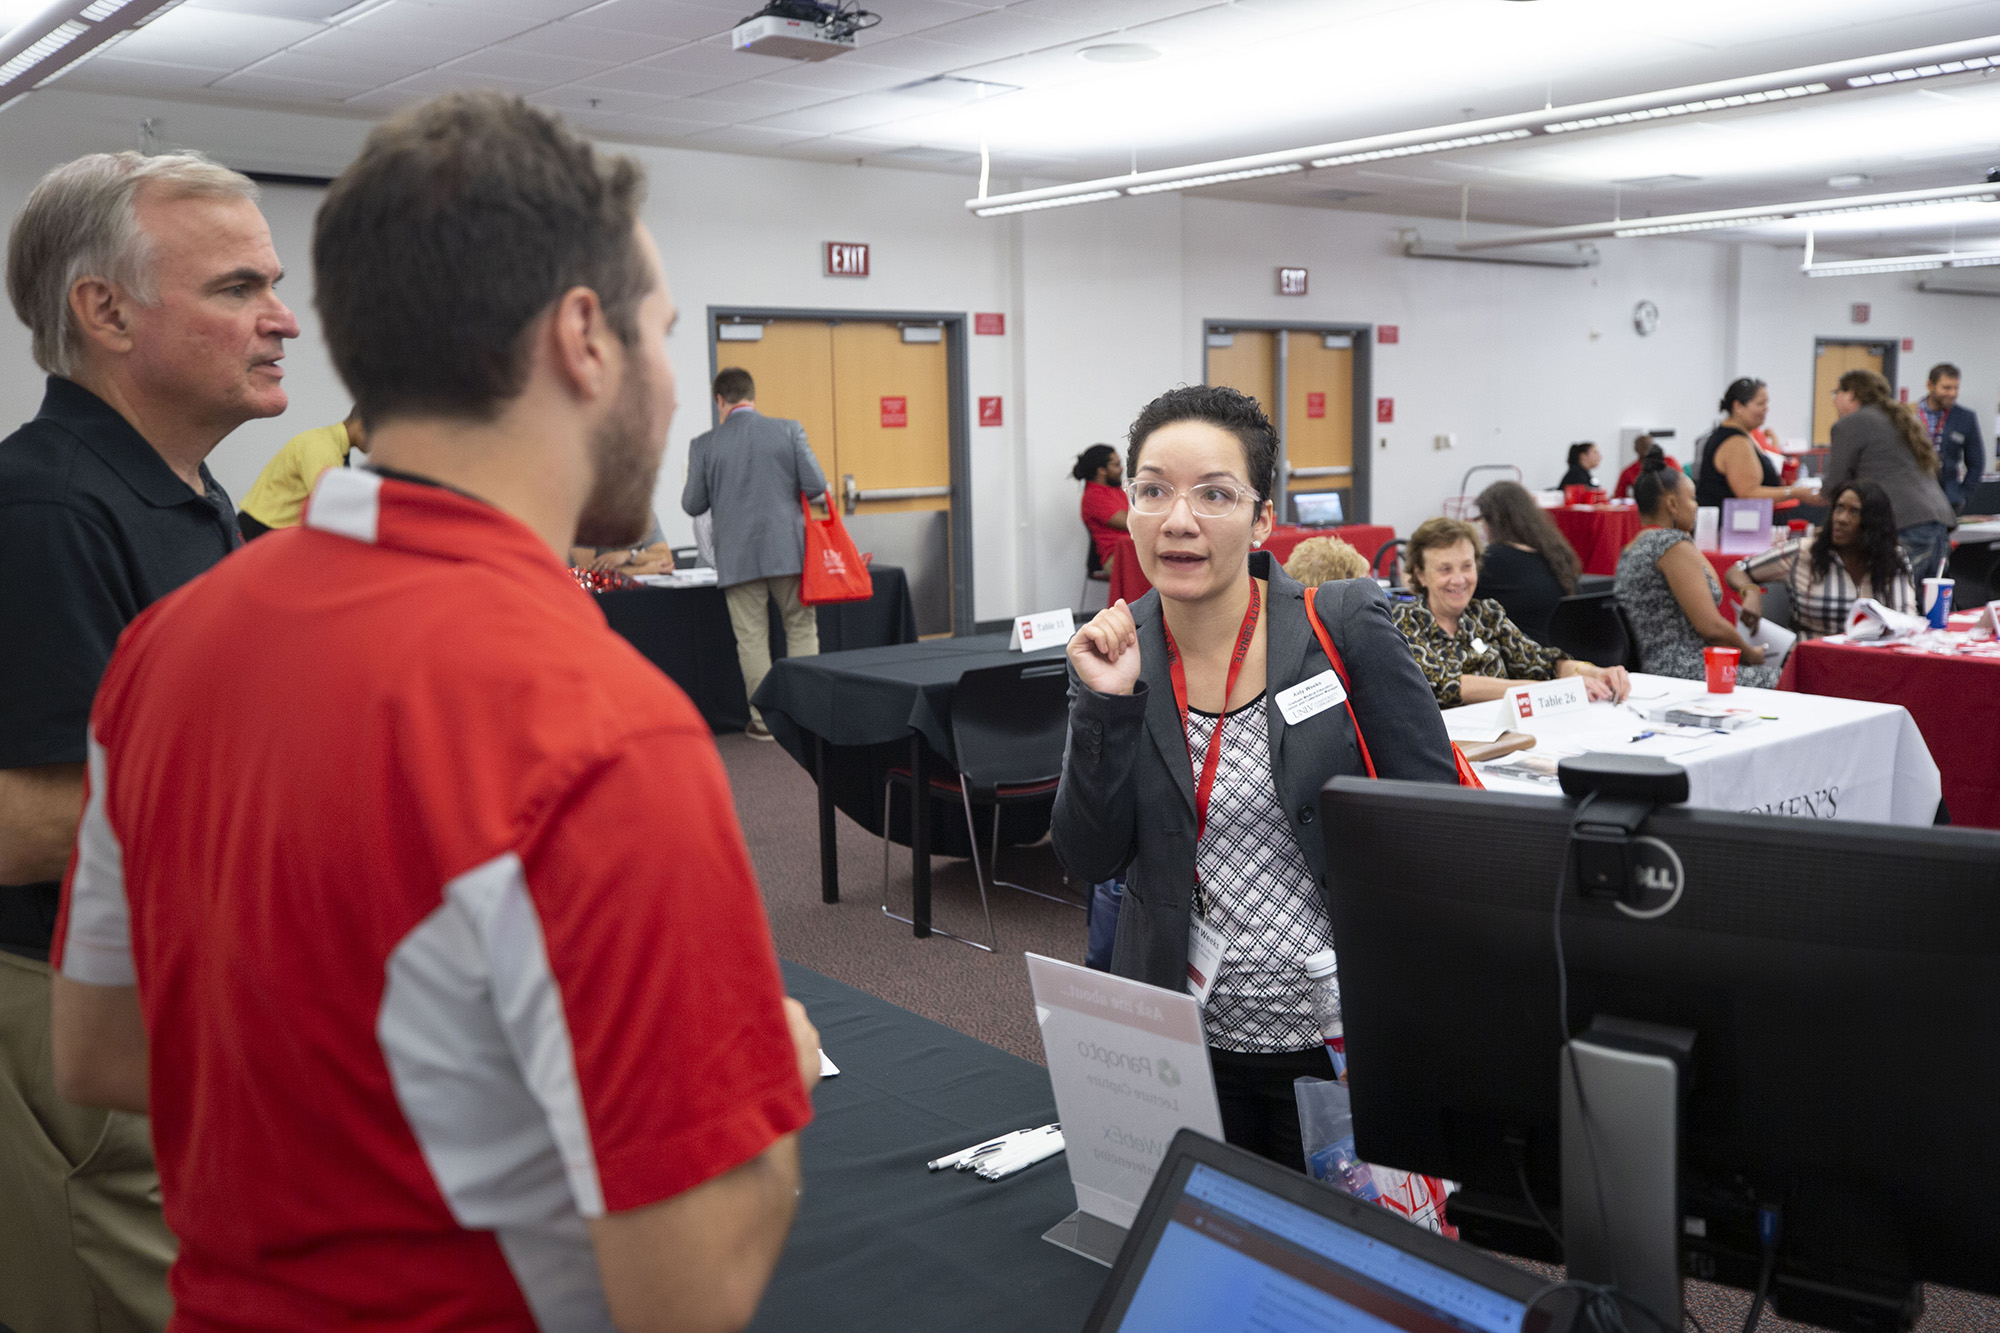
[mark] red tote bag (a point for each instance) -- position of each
(834, 570)
(1466, 777)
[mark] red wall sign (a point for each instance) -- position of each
(989, 323)
(989, 411)
(1909, 344)
(895, 411)
(1315, 405)
(1385, 409)
(1291, 282)
(1858, 312)
(1905, 392)
(846, 259)
(1388, 333)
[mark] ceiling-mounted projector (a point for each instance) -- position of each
(802, 29)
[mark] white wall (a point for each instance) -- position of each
(1104, 307)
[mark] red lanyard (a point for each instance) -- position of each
(1206, 784)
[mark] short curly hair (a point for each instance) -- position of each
(1436, 534)
(1318, 560)
(1229, 409)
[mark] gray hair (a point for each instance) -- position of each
(80, 222)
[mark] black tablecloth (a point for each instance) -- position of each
(685, 632)
(880, 1243)
(865, 704)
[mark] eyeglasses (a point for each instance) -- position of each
(1208, 499)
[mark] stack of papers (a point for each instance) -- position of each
(1868, 621)
(680, 578)
(1775, 640)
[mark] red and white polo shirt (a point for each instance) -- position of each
(443, 929)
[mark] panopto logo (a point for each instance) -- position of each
(1169, 1076)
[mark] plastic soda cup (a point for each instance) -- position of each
(1721, 666)
(1937, 601)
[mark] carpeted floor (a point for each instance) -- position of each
(986, 995)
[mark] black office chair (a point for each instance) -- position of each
(1393, 571)
(1590, 627)
(1631, 662)
(1008, 725)
(1093, 572)
(1778, 605)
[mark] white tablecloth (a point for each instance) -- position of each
(1816, 756)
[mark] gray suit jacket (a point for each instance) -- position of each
(751, 470)
(1866, 444)
(1127, 793)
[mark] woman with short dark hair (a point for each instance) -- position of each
(1857, 554)
(1529, 565)
(1583, 460)
(1668, 589)
(1881, 440)
(1194, 763)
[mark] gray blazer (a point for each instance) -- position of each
(1127, 793)
(1867, 445)
(751, 470)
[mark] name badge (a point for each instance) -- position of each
(1478, 646)
(1205, 946)
(1309, 698)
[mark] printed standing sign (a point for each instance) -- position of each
(1315, 405)
(989, 411)
(1525, 705)
(895, 411)
(1044, 629)
(1130, 1069)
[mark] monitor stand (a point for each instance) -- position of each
(1088, 1235)
(1622, 1085)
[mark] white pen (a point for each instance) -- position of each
(966, 1158)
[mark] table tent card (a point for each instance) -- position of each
(1746, 526)
(1524, 707)
(1043, 629)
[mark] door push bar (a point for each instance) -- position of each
(852, 495)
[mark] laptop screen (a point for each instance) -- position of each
(1320, 510)
(1237, 1256)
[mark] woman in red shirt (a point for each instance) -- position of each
(1100, 470)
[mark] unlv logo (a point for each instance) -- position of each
(1524, 705)
(833, 562)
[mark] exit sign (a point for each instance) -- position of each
(1291, 282)
(846, 259)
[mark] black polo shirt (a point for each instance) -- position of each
(94, 528)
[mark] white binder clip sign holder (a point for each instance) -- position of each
(1044, 629)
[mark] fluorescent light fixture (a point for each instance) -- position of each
(43, 47)
(1742, 217)
(1190, 182)
(1035, 205)
(1576, 256)
(1847, 268)
(1433, 146)
(1757, 90)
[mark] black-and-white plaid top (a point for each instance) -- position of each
(1260, 894)
(1819, 607)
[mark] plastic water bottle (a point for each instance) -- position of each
(1323, 970)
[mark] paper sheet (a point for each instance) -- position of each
(1774, 639)
(827, 1068)
(1474, 725)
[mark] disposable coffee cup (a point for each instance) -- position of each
(1937, 601)
(1721, 667)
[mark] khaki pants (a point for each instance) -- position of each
(82, 1243)
(750, 620)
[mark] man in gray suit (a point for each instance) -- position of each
(749, 472)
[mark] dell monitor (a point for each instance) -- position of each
(1835, 987)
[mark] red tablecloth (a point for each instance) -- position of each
(1598, 532)
(1721, 561)
(1955, 702)
(1130, 582)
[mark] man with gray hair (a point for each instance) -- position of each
(148, 285)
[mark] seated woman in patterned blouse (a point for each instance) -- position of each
(1857, 554)
(1466, 647)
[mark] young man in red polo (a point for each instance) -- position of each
(426, 932)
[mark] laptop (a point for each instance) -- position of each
(1226, 1239)
(1318, 509)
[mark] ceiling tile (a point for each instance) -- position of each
(645, 77)
(535, 9)
(579, 42)
(844, 74)
(657, 127)
(465, 28)
(107, 74)
(355, 76)
(545, 70)
(712, 56)
(364, 48)
(735, 138)
(918, 55)
(1006, 32)
(907, 16)
(764, 97)
(602, 102)
(432, 82)
(313, 11)
(850, 113)
(685, 21)
(286, 88)
(208, 39)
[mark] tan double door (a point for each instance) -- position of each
(1304, 379)
(874, 398)
(1830, 362)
